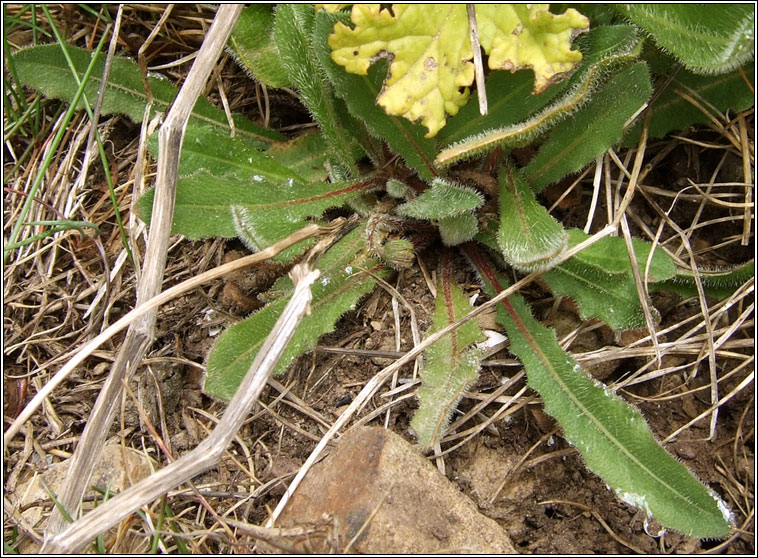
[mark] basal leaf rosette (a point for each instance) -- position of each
(430, 51)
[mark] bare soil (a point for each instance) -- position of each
(516, 467)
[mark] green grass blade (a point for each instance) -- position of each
(57, 226)
(55, 143)
(99, 140)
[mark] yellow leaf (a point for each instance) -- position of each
(518, 36)
(430, 51)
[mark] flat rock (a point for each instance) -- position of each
(376, 494)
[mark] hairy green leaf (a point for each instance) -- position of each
(529, 237)
(397, 189)
(611, 435)
(293, 27)
(610, 296)
(671, 111)
(259, 210)
(451, 364)
(518, 121)
(509, 102)
(575, 143)
(206, 147)
(600, 279)
(610, 254)
(717, 283)
(344, 280)
(360, 92)
(443, 199)
(305, 155)
(44, 68)
(252, 45)
(458, 228)
(707, 38)
(431, 53)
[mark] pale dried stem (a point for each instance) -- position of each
(142, 59)
(711, 351)
(476, 47)
(151, 306)
(99, 102)
(210, 450)
(748, 178)
(141, 332)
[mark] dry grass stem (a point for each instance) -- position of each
(141, 333)
(210, 450)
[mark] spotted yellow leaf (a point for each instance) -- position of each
(430, 53)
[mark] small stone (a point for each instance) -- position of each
(116, 469)
(686, 451)
(381, 496)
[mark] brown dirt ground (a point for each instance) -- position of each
(517, 468)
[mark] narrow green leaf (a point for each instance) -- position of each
(518, 121)
(205, 147)
(305, 155)
(443, 199)
(717, 283)
(293, 27)
(252, 45)
(610, 254)
(610, 296)
(45, 69)
(529, 237)
(451, 364)
(261, 211)
(344, 281)
(611, 435)
(212, 149)
(600, 279)
(360, 92)
(575, 143)
(510, 101)
(671, 111)
(707, 38)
